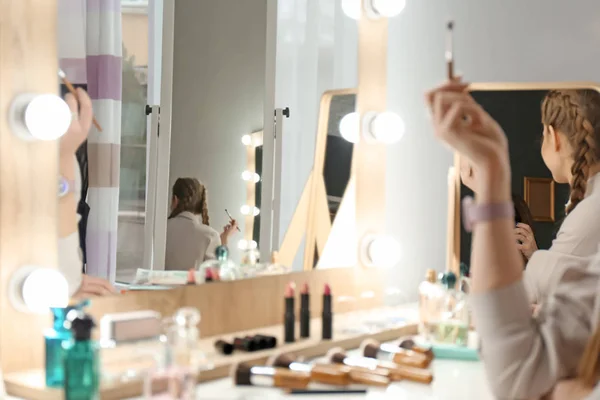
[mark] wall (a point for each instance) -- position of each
(218, 91)
(316, 51)
(509, 40)
(135, 36)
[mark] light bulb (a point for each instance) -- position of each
(382, 251)
(246, 140)
(350, 127)
(352, 8)
(247, 210)
(388, 8)
(247, 244)
(41, 117)
(44, 288)
(250, 176)
(386, 127)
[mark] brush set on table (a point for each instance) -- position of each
(377, 365)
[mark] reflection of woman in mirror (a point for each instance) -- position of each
(526, 357)
(190, 239)
(524, 235)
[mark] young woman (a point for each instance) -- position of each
(525, 356)
(190, 239)
(524, 235)
(69, 253)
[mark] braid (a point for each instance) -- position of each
(575, 113)
(191, 197)
(202, 205)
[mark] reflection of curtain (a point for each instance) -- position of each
(90, 52)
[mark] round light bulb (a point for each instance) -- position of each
(387, 127)
(350, 127)
(383, 251)
(255, 211)
(244, 244)
(39, 117)
(352, 8)
(44, 288)
(246, 140)
(247, 210)
(250, 176)
(388, 8)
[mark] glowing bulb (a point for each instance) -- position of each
(44, 288)
(350, 127)
(247, 244)
(386, 127)
(250, 176)
(246, 140)
(388, 8)
(352, 8)
(247, 210)
(41, 117)
(382, 251)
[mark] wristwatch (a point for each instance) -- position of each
(476, 213)
(65, 187)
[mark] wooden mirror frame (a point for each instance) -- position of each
(454, 219)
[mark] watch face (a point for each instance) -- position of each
(63, 187)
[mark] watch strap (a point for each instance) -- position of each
(477, 213)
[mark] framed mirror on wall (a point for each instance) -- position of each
(540, 202)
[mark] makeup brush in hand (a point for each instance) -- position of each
(71, 89)
(231, 220)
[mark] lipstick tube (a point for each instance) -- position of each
(327, 315)
(305, 312)
(289, 320)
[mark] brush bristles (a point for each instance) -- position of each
(333, 351)
(240, 373)
(369, 343)
(337, 358)
(282, 360)
(407, 344)
(61, 74)
(370, 351)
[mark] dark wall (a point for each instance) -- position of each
(519, 114)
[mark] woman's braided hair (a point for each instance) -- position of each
(576, 114)
(192, 197)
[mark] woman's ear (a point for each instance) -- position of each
(554, 138)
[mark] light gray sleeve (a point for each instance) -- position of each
(214, 242)
(524, 357)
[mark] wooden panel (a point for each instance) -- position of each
(539, 196)
(28, 172)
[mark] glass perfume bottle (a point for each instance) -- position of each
(452, 327)
(177, 376)
(54, 338)
(274, 267)
(222, 268)
(81, 359)
(430, 296)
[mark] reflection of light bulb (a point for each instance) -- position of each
(388, 8)
(246, 140)
(44, 288)
(382, 251)
(42, 117)
(350, 127)
(250, 176)
(247, 244)
(352, 8)
(386, 127)
(247, 210)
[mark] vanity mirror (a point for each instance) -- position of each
(539, 201)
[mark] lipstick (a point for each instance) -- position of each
(208, 275)
(191, 277)
(289, 318)
(327, 315)
(304, 312)
(223, 347)
(388, 352)
(266, 342)
(244, 344)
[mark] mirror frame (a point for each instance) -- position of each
(454, 218)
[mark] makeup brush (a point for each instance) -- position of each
(246, 375)
(371, 348)
(73, 91)
(231, 220)
(410, 344)
(450, 49)
(395, 371)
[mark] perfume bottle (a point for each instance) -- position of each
(222, 268)
(177, 376)
(452, 326)
(54, 339)
(465, 282)
(430, 297)
(274, 267)
(81, 359)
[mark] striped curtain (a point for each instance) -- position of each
(90, 51)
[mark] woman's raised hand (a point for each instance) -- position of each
(466, 127)
(525, 240)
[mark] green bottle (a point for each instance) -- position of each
(81, 359)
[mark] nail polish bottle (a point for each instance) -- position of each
(81, 359)
(54, 339)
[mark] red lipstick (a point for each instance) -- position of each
(327, 315)
(191, 277)
(304, 312)
(289, 318)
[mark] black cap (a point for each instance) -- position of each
(80, 324)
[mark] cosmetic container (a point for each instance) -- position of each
(55, 338)
(81, 359)
(222, 267)
(452, 326)
(430, 297)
